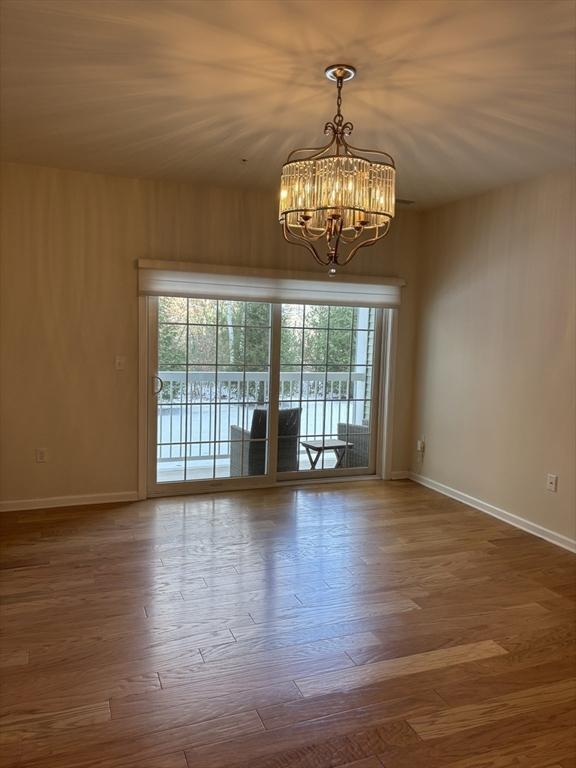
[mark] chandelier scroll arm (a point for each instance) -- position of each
(355, 236)
(290, 237)
(318, 151)
(358, 152)
(310, 235)
(353, 251)
(333, 240)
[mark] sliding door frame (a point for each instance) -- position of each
(154, 488)
(144, 385)
(383, 391)
(375, 405)
(389, 345)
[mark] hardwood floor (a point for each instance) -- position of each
(359, 626)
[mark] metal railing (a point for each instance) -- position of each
(197, 408)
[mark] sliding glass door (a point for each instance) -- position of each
(211, 362)
(326, 377)
(251, 392)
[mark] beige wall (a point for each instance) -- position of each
(68, 306)
(495, 376)
(494, 318)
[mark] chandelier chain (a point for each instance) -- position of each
(338, 117)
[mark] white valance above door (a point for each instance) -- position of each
(202, 281)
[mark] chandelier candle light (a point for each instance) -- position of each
(333, 199)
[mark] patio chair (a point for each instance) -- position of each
(359, 434)
(249, 456)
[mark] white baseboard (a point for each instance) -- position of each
(400, 474)
(68, 501)
(501, 514)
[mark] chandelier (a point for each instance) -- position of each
(333, 199)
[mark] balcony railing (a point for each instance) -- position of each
(197, 409)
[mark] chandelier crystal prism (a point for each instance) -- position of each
(336, 199)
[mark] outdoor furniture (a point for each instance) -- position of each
(359, 455)
(319, 446)
(248, 457)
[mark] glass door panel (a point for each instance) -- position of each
(326, 382)
(213, 375)
(225, 370)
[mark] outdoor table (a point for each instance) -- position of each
(319, 446)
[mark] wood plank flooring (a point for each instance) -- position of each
(361, 625)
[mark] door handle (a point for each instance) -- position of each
(160, 388)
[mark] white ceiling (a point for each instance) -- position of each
(466, 95)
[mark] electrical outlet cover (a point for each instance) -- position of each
(552, 483)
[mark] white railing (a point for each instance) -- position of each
(199, 407)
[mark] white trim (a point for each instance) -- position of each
(151, 373)
(329, 480)
(400, 474)
(143, 389)
(378, 445)
(388, 371)
(273, 392)
(385, 336)
(68, 501)
(176, 278)
(508, 517)
(260, 483)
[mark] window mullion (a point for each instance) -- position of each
(274, 390)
